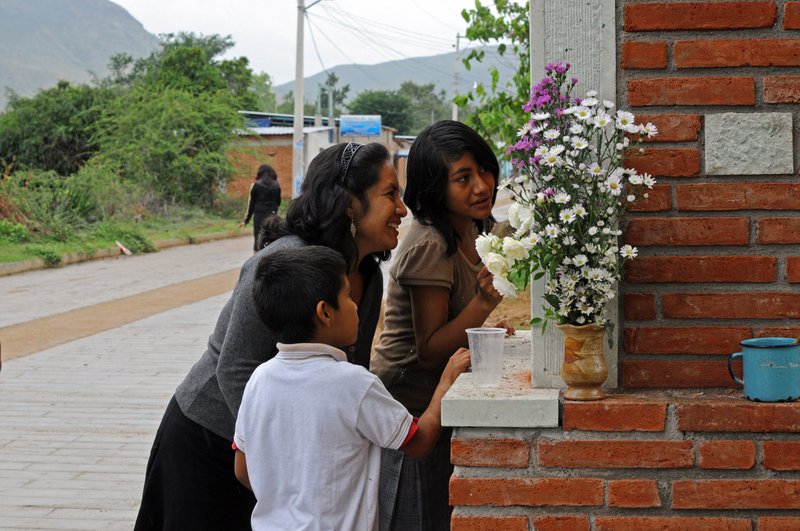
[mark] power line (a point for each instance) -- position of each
(314, 42)
(345, 55)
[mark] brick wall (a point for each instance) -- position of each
(248, 154)
(640, 462)
(719, 236)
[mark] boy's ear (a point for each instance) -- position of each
(323, 314)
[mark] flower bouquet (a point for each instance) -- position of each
(570, 190)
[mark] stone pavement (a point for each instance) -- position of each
(77, 419)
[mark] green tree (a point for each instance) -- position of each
(498, 110)
(189, 62)
(427, 105)
(262, 87)
(51, 131)
(395, 110)
(339, 93)
(287, 105)
(170, 139)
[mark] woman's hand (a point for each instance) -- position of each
(508, 325)
(241, 224)
(486, 290)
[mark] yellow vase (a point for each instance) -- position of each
(584, 369)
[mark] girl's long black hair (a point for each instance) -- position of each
(427, 172)
(319, 214)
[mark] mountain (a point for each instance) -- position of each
(43, 41)
(436, 69)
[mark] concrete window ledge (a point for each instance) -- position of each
(513, 404)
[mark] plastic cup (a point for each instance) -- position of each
(486, 355)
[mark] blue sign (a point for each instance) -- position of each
(360, 125)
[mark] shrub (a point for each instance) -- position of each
(13, 232)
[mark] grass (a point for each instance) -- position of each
(138, 237)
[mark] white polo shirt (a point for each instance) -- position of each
(312, 429)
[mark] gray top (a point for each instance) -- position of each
(212, 391)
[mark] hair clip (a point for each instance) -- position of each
(347, 157)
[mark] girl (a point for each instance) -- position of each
(265, 198)
(350, 202)
(438, 287)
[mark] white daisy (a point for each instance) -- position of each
(582, 113)
(650, 130)
(595, 170)
(614, 185)
(552, 134)
(602, 120)
(561, 198)
(591, 94)
(608, 104)
(552, 230)
(624, 120)
(524, 130)
(567, 215)
(580, 260)
(541, 116)
(589, 102)
(592, 231)
(579, 143)
(576, 129)
(631, 198)
(628, 252)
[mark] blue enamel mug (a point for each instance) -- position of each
(770, 369)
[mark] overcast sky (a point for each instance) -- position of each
(345, 31)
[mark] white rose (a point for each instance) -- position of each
(513, 249)
(496, 264)
(504, 287)
(484, 244)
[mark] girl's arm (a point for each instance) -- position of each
(436, 337)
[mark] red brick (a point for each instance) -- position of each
(699, 15)
(782, 89)
(791, 18)
(662, 162)
(727, 455)
(508, 453)
(658, 199)
(670, 523)
(615, 454)
(738, 196)
(737, 52)
(639, 306)
(779, 230)
(781, 455)
(673, 231)
(653, 269)
(779, 523)
(534, 492)
(460, 522)
(691, 91)
(685, 340)
(642, 55)
(677, 374)
(633, 493)
(742, 305)
(778, 331)
(561, 522)
(739, 415)
(793, 269)
(672, 127)
(615, 413)
(736, 494)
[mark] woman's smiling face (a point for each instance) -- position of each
(377, 227)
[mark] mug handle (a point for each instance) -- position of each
(730, 367)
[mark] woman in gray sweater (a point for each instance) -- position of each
(350, 202)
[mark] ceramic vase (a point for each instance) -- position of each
(584, 369)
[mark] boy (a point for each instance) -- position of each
(311, 426)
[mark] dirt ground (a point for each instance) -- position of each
(518, 311)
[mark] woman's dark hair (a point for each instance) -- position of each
(319, 214)
(428, 168)
(265, 170)
(289, 283)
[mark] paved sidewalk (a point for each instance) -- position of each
(77, 420)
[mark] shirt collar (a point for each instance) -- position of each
(299, 351)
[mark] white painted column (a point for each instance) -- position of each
(582, 33)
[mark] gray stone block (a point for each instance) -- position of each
(749, 144)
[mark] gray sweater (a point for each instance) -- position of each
(212, 391)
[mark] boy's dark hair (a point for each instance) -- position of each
(427, 171)
(319, 214)
(289, 283)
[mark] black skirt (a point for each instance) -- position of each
(190, 482)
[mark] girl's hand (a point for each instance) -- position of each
(508, 325)
(457, 364)
(486, 290)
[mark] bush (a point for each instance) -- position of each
(13, 232)
(131, 237)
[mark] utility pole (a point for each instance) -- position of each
(298, 140)
(297, 137)
(455, 77)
